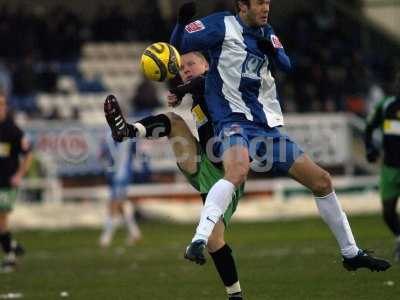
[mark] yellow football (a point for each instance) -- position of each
(160, 61)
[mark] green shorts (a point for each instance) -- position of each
(7, 199)
(389, 183)
(206, 176)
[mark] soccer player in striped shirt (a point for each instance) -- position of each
(241, 96)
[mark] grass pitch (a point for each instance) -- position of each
(277, 260)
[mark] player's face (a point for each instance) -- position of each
(3, 108)
(192, 66)
(256, 14)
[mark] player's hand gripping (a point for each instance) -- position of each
(173, 99)
(266, 46)
(186, 12)
(16, 180)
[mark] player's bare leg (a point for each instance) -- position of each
(184, 144)
(216, 240)
(3, 222)
(391, 218)
(236, 165)
(186, 153)
(11, 247)
(306, 172)
(113, 213)
(186, 150)
(128, 214)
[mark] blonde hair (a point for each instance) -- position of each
(199, 54)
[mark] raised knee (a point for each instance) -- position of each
(323, 186)
(174, 118)
(238, 174)
(236, 179)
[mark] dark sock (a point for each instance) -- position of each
(131, 131)
(390, 216)
(5, 241)
(156, 126)
(237, 296)
(225, 264)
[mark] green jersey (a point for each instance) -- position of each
(386, 116)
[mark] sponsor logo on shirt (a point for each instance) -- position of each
(275, 41)
(199, 116)
(252, 67)
(195, 26)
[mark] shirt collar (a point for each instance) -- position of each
(246, 28)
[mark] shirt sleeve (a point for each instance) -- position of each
(21, 142)
(194, 86)
(281, 59)
(200, 35)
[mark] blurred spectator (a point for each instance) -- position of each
(24, 86)
(146, 99)
(152, 26)
(333, 64)
(5, 80)
(24, 77)
(223, 5)
(118, 159)
(47, 77)
(54, 114)
(110, 24)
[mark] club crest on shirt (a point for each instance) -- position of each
(195, 26)
(276, 42)
(234, 129)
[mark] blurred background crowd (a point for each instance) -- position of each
(342, 62)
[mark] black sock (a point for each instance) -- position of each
(5, 241)
(156, 126)
(237, 296)
(225, 264)
(390, 216)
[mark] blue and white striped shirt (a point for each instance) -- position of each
(239, 85)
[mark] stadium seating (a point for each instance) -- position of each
(103, 68)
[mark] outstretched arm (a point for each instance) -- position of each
(199, 35)
(186, 14)
(272, 47)
(25, 163)
(194, 86)
(283, 61)
(374, 120)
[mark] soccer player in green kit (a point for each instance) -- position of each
(195, 158)
(386, 117)
(15, 160)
